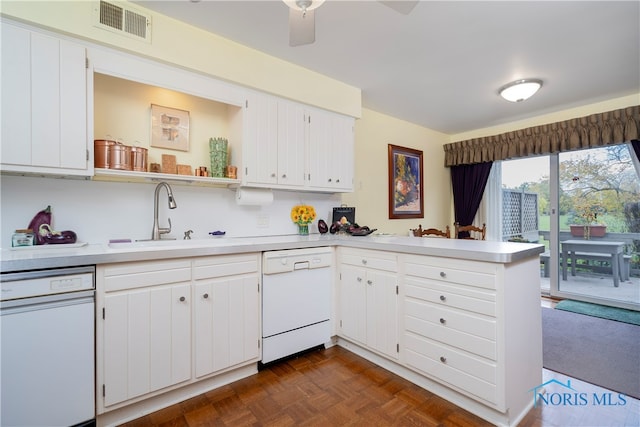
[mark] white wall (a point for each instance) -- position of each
(99, 211)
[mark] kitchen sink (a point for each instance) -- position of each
(178, 244)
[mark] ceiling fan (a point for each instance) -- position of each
(302, 26)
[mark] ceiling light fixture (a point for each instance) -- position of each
(520, 89)
(303, 5)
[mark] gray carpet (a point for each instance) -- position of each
(598, 351)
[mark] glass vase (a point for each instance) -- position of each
(303, 229)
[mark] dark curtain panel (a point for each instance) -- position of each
(468, 183)
(636, 146)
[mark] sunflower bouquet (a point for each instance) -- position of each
(303, 214)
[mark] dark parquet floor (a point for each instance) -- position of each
(334, 387)
(331, 387)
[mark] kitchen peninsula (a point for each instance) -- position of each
(459, 318)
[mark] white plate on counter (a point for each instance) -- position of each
(54, 246)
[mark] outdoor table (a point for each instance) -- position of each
(615, 249)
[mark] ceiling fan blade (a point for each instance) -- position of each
(302, 27)
(402, 6)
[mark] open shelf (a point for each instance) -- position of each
(133, 176)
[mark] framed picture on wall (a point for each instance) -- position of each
(169, 128)
(406, 190)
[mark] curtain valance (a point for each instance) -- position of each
(595, 130)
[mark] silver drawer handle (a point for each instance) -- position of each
(442, 321)
(443, 298)
(182, 299)
(443, 359)
(205, 296)
(443, 274)
(284, 175)
(364, 261)
(359, 279)
(369, 282)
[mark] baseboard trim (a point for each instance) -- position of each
(156, 403)
(487, 413)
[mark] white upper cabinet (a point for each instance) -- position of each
(44, 103)
(51, 95)
(292, 146)
(274, 143)
(260, 144)
(331, 148)
(291, 150)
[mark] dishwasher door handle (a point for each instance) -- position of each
(301, 265)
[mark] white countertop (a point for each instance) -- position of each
(102, 253)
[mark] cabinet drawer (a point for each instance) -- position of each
(482, 275)
(370, 259)
(117, 277)
(465, 372)
(472, 334)
(225, 265)
(456, 296)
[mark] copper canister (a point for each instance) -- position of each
(139, 159)
(120, 157)
(101, 153)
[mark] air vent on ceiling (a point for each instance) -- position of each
(121, 18)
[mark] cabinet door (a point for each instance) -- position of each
(226, 323)
(147, 341)
(291, 144)
(342, 165)
(382, 312)
(260, 152)
(44, 120)
(16, 95)
(353, 299)
(320, 150)
(331, 148)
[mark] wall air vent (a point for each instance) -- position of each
(119, 17)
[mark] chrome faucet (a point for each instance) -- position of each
(157, 230)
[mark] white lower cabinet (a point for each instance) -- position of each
(226, 312)
(146, 328)
(368, 295)
(475, 328)
(469, 331)
(162, 325)
(450, 324)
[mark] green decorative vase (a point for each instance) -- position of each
(303, 229)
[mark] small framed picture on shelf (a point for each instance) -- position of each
(169, 128)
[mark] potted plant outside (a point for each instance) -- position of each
(587, 231)
(588, 223)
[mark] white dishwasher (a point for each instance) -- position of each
(296, 301)
(47, 348)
